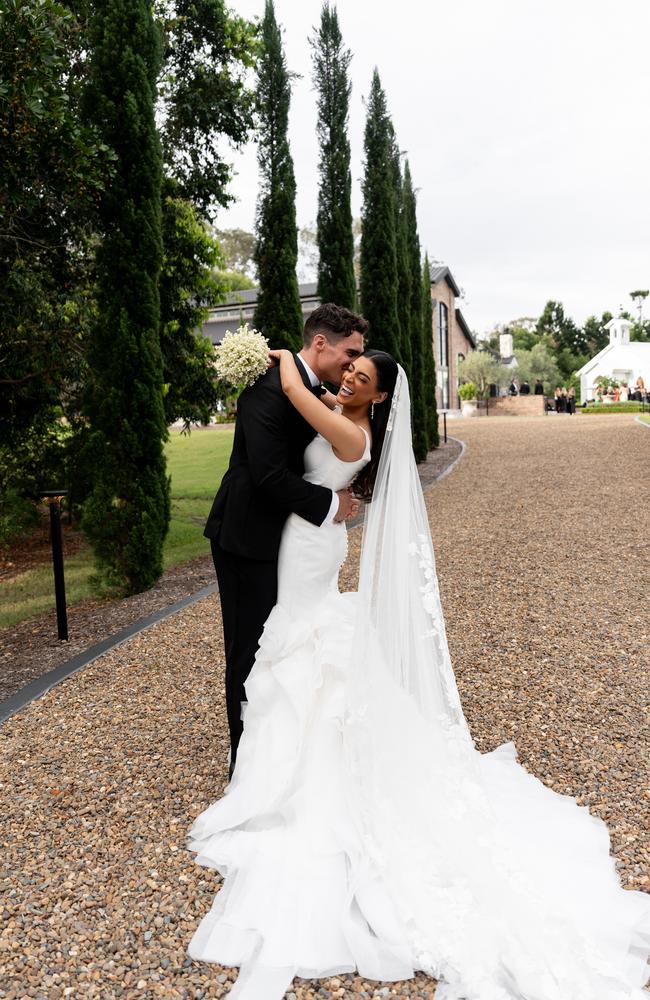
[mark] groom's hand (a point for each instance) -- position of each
(348, 506)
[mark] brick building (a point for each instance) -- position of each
(452, 337)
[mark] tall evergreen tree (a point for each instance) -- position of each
(331, 60)
(412, 322)
(401, 261)
(379, 284)
(278, 313)
(429, 366)
(127, 513)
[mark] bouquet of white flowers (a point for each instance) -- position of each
(242, 356)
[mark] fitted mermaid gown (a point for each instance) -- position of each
(441, 860)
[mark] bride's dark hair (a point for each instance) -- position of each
(386, 368)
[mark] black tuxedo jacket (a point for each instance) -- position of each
(263, 483)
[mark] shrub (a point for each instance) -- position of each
(607, 383)
(631, 407)
(18, 516)
(467, 390)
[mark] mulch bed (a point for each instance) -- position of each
(35, 549)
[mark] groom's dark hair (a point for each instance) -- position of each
(333, 322)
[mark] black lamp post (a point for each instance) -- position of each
(53, 500)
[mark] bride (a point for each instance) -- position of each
(362, 830)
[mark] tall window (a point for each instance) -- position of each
(443, 335)
(443, 352)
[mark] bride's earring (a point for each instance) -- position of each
(372, 411)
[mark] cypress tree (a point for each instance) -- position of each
(378, 284)
(401, 263)
(278, 313)
(429, 366)
(336, 281)
(127, 514)
(412, 313)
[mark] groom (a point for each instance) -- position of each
(263, 485)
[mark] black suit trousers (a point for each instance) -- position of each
(248, 591)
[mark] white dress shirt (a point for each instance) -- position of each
(314, 380)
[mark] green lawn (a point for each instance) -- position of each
(196, 463)
(644, 418)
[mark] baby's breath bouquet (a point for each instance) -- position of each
(242, 356)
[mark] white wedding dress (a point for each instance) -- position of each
(360, 833)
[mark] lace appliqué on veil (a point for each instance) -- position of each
(433, 608)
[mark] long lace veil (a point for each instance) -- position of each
(399, 603)
(407, 746)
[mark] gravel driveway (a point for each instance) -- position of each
(541, 535)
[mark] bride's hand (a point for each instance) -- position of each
(275, 357)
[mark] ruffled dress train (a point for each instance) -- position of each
(440, 859)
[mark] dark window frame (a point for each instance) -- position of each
(443, 334)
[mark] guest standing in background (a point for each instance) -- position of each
(571, 401)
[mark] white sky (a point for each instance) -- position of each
(526, 123)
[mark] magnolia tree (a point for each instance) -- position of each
(483, 370)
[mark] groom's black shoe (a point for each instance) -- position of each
(231, 769)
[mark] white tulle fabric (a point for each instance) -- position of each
(362, 829)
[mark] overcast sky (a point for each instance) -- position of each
(527, 127)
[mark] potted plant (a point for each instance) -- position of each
(469, 399)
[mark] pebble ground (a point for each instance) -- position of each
(541, 535)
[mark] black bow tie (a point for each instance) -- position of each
(317, 390)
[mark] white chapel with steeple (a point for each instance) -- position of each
(620, 359)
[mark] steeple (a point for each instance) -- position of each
(619, 330)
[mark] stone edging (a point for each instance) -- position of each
(450, 468)
(41, 685)
(643, 423)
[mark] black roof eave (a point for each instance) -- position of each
(462, 322)
(443, 272)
